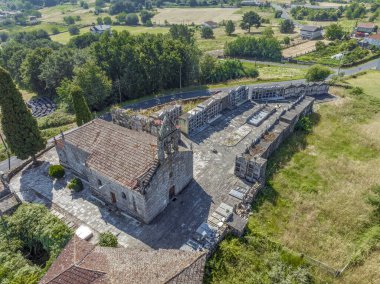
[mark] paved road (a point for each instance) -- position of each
(285, 15)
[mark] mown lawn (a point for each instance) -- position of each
(314, 201)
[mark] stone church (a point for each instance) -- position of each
(137, 172)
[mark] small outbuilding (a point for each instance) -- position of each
(311, 32)
(99, 29)
(210, 24)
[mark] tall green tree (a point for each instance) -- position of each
(287, 26)
(19, 126)
(250, 19)
(82, 112)
(31, 69)
(334, 31)
(94, 83)
(230, 27)
(182, 32)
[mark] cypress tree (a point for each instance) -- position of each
(19, 126)
(82, 112)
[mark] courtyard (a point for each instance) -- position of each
(214, 157)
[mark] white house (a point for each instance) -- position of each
(373, 40)
(311, 32)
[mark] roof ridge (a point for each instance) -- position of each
(113, 126)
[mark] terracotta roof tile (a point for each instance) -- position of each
(366, 25)
(121, 154)
(124, 266)
(376, 36)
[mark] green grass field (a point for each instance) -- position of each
(65, 36)
(315, 198)
(370, 83)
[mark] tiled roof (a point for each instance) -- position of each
(116, 152)
(376, 36)
(121, 265)
(310, 28)
(366, 25)
(78, 275)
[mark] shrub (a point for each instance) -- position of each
(357, 91)
(76, 185)
(54, 30)
(207, 32)
(317, 73)
(56, 171)
(74, 30)
(55, 119)
(304, 124)
(107, 239)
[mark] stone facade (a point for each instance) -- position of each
(136, 172)
(209, 110)
(151, 124)
(290, 91)
(251, 165)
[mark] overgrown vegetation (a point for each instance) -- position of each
(320, 197)
(255, 259)
(30, 240)
(107, 239)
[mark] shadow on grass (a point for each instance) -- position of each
(295, 143)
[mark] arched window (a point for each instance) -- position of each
(123, 195)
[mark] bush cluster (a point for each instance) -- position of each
(107, 239)
(76, 185)
(56, 171)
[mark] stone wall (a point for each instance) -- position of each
(151, 124)
(251, 165)
(137, 122)
(177, 171)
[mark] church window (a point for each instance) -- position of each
(123, 195)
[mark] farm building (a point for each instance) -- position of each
(311, 32)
